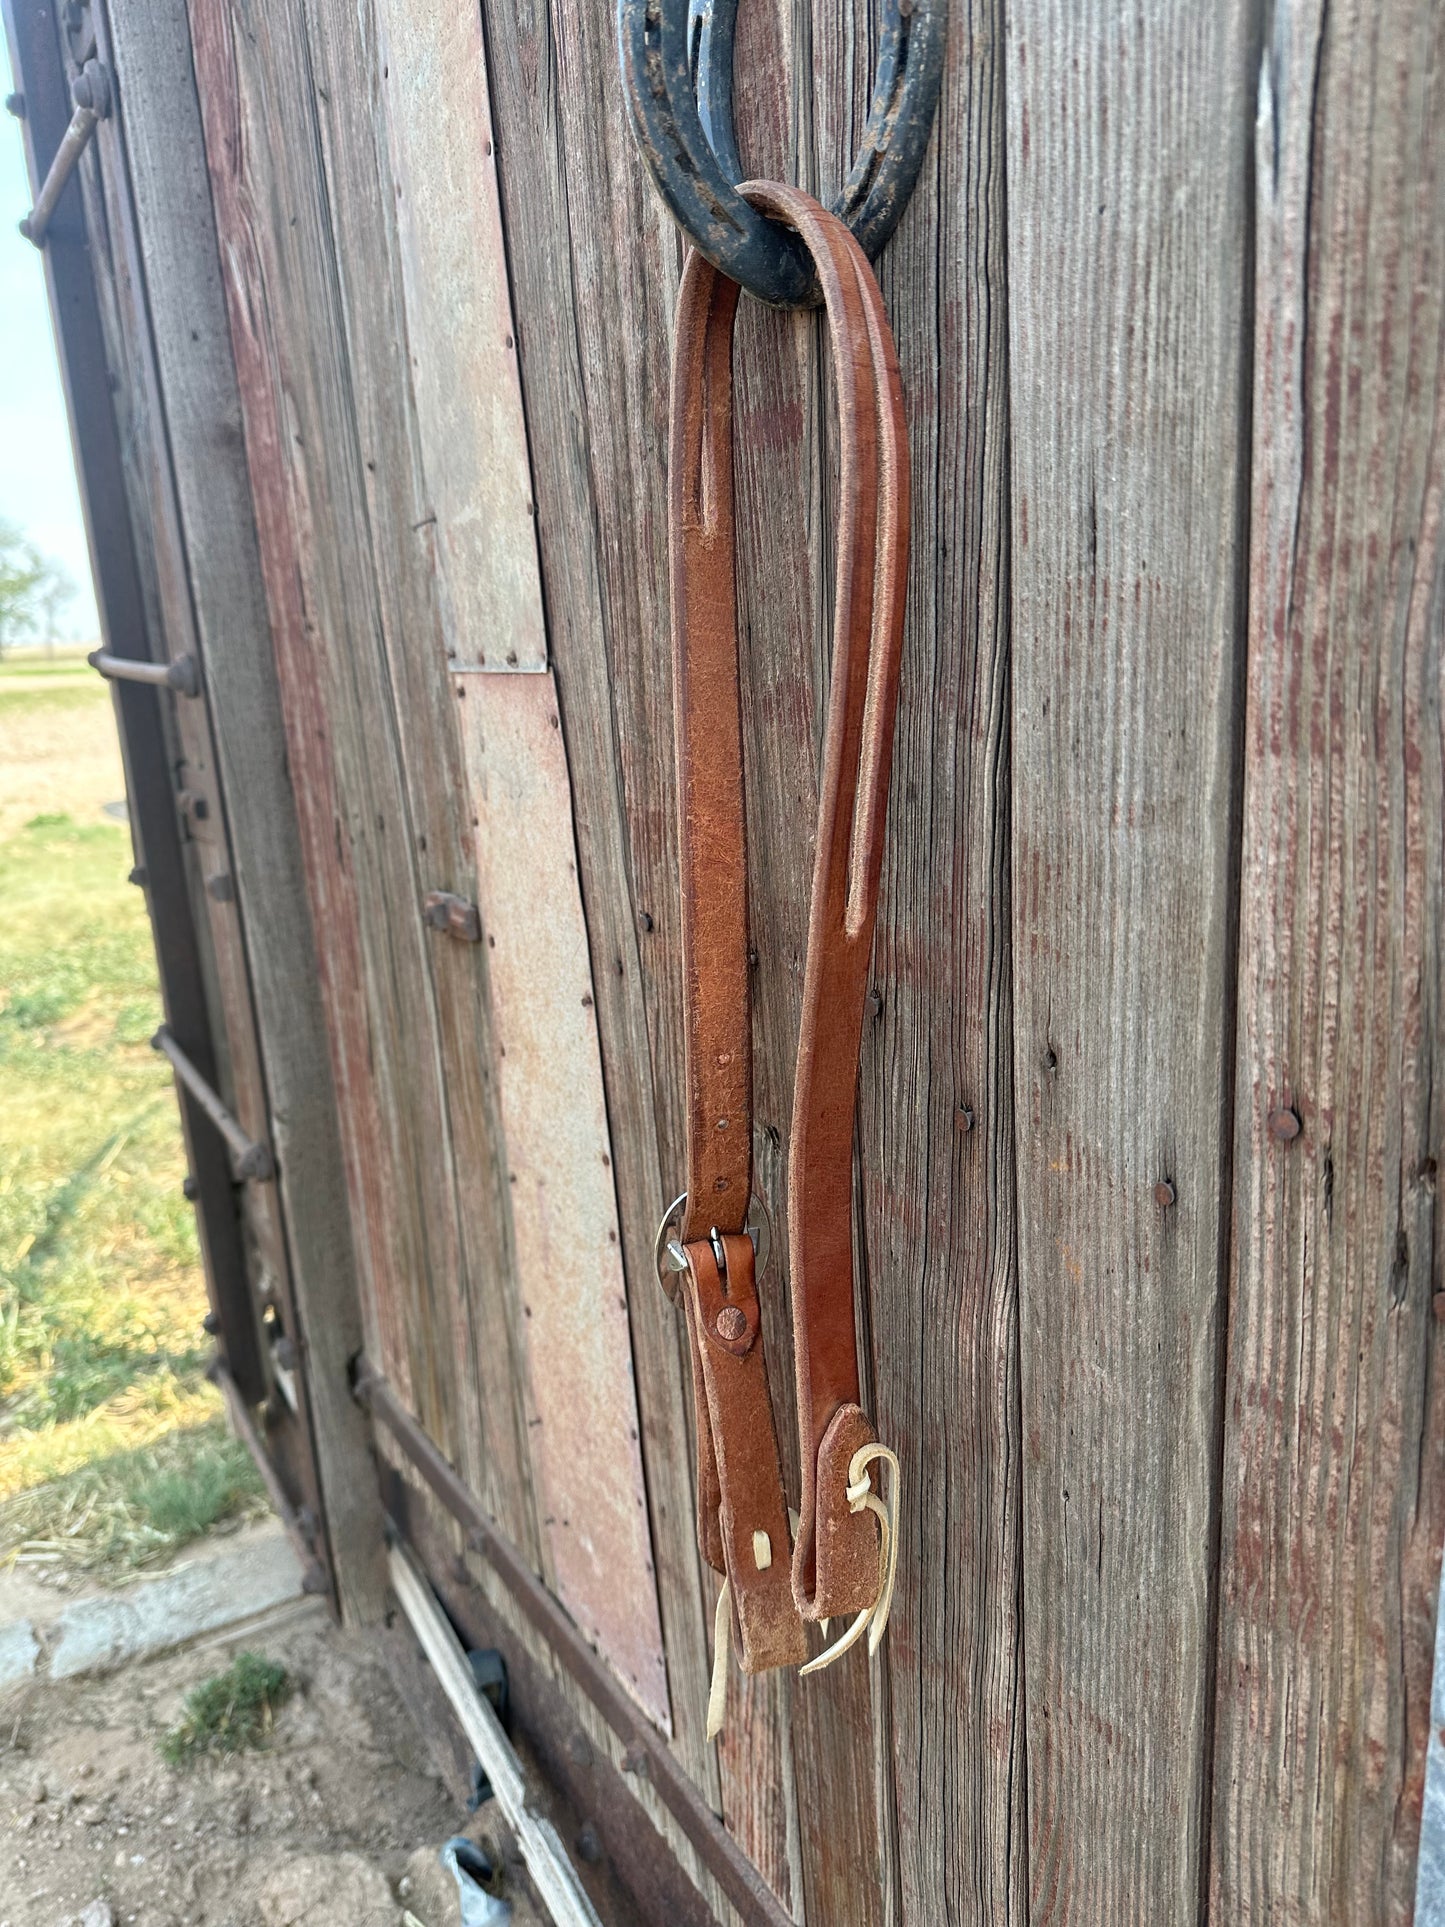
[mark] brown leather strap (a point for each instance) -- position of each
(836, 1564)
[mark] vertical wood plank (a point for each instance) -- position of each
(583, 1428)
(937, 1106)
(392, 539)
(1334, 1495)
(593, 347)
(314, 304)
(1128, 141)
(150, 51)
(460, 332)
(812, 1814)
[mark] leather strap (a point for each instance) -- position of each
(835, 1567)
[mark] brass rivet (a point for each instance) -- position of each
(731, 1324)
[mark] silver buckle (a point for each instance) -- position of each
(670, 1258)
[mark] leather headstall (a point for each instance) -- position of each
(845, 1544)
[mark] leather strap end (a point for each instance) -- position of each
(845, 1544)
(752, 1518)
(709, 1485)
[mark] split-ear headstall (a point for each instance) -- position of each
(845, 1546)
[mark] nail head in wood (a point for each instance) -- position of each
(1284, 1124)
(453, 915)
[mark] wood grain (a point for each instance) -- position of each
(316, 320)
(1334, 1493)
(593, 355)
(460, 332)
(582, 1428)
(1128, 137)
(937, 1105)
(201, 453)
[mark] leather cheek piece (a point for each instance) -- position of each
(751, 1514)
(837, 1572)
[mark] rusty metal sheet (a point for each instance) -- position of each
(583, 1422)
(460, 335)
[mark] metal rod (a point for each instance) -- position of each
(181, 675)
(73, 144)
(715, 1846)
(313, 1578)
(253, 1160)
(552, 1872)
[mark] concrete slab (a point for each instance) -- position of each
(19, 1653)
(103, 1632)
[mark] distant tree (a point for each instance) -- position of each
(57, 593)
(33, 589)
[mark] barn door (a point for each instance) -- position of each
(132, 436)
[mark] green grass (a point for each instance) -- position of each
(117, 1512)
(108, 1429)
(31, 693)
(235, 1710)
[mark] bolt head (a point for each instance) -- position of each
(731, 1324)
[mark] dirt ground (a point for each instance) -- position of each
(335, 1824)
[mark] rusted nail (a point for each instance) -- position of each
(963, 1117)
(1164, 1194)
(1284, 1123)
(875, 1003)
(1437, 1305)
(453, 915)
(634, 1760)
(731, 1324)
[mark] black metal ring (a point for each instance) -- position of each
(677, 72)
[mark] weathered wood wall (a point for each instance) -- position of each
(1164, 865)
(1334, 1449)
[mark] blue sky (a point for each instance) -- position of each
(37, 472)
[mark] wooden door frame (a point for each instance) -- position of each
(313, 1444)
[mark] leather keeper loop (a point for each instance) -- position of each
(730, 1313)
